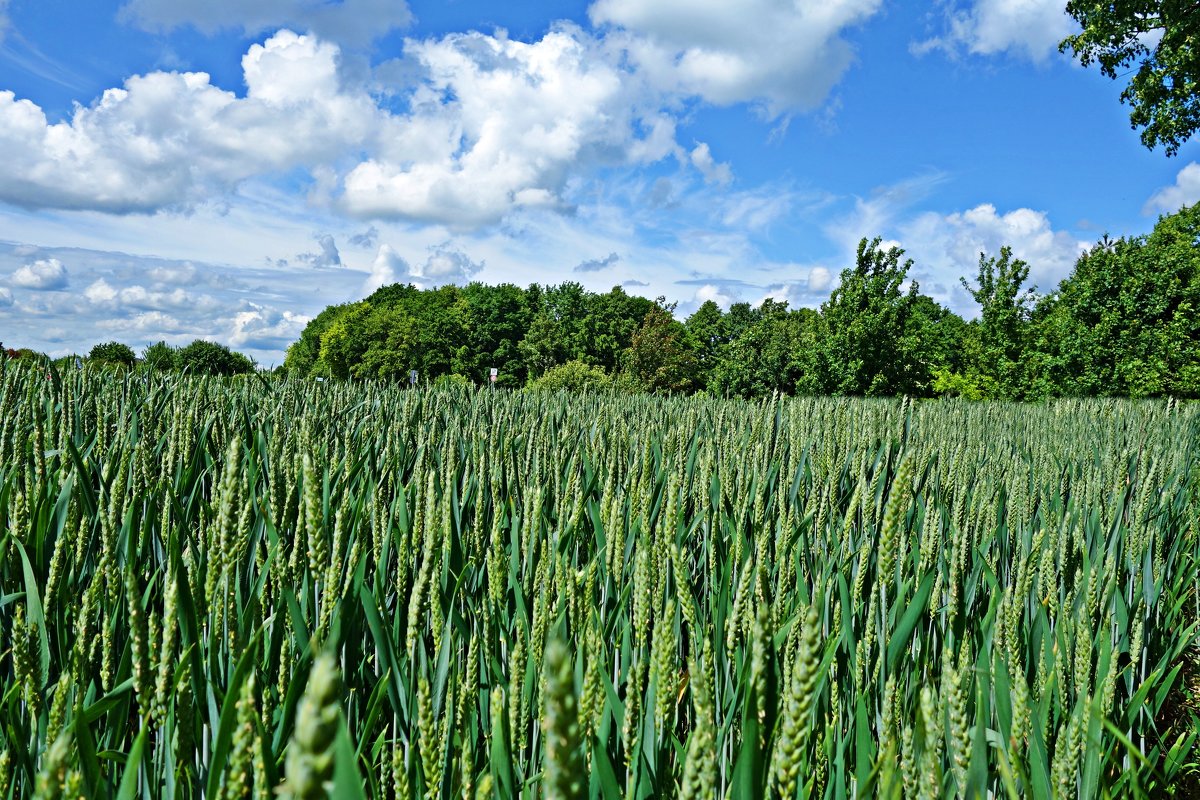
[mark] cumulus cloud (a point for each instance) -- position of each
(820, 279)
(168, 139)
(481, 126)
(387, 268)
(1029, 28)
(498, 124)
(259, 327)
(1184, 192)
(722, 295)
(782, 54)
(713, 172)
(42, 275)
(597, 264)
(353, 22)
(102, 293)
(329, 255)
(446, 265)
(947, 246)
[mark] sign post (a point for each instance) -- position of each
(492, 376)
(412, 377)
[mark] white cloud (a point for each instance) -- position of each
(947, 247)
(483, 127)
(446, 265)
(1184, 192)
(876, 214)
(723, 296)
(785, 55)
(142, 300)
(353, 22)
(819, 280)
(1030, 28)
(6, 297)
(387, 268)
(259, 327)
(136, 297)
(713, 172)
(170, 139)
(498, 125)
(42, 275)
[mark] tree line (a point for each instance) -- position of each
(201, 357)
(1125, 322)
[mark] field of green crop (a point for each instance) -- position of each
(253, 588)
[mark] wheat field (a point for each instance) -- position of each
(258, 588)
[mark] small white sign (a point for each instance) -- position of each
(412, 377)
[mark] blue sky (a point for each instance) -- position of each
(178, 169)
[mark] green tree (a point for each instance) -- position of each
(1126, 322)
(661, 357)
(867, 341)
(305, 352)
(770, 353)
(1161, 40)
(160, 356)
(113, 353)
(609, 326)
(542, 347)
(710, 332)
(497, 317)
(998, 339)
(209, 358)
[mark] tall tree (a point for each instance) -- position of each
(1002, 330)
(866, 322)
(661, 356)
(1160, 37)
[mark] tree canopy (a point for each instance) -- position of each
(1159, 41)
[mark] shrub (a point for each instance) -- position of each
(573, 376)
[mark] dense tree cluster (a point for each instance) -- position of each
(1124, 323)
(198, 358)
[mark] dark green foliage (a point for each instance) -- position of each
(871, 333)
(209, 358)
(661, 357)
(1159, 42)
(161, 356)
(995, 344)
(1127, 320)
(112, 353)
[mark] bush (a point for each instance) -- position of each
(209, 358)
(573, 376)
(453, 379)
(161, 356)
(113, 353)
